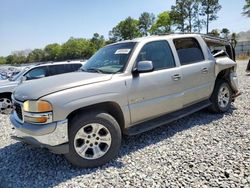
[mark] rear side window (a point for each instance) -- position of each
(189, 50)
(72, 67)
(56, 69)
(159, 53)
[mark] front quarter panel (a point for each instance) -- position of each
(67, 101)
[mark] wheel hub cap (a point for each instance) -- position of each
(5, 106)
(92, 141)
(223, 97)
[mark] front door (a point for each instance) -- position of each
(158, 92)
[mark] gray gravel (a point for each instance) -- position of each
(201, 150)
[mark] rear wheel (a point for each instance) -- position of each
(221, 98)
(94, 139)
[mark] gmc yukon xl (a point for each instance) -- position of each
(126, 88)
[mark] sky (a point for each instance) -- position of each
(30, 24)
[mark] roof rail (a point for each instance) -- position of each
(45, 62)
(209, 36)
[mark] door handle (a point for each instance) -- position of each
(176, 77)
(204, 70)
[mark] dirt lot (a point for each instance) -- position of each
(201, 150)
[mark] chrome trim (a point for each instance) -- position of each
(57, 137)
(48, 115)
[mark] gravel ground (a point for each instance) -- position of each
(201, 150)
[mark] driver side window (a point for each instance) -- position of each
(159, 52)
(36, 73)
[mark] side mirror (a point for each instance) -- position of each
(23, 78)
(144, 66)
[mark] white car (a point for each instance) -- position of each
(30, 73)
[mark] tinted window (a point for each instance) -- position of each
(36, 73)
(189, 50)
(72, 67)
(56, 69)
(159, 53)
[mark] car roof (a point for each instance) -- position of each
(176, 35)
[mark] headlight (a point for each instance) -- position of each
(38, 112)
(37, 106)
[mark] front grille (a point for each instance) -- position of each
(18, 110)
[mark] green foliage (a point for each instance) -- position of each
(210, 8)
(76, 49)
(185, 15)
(225, 32)
(246, 9)
(215, 32)
(2, 60)
(125, 30)
(36, 55)
(97, 42)
(163, 24)
(146, 20)
(52, 52)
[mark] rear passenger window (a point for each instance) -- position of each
(56, 69)
(72, 67)
(159, 53)
(189, 50)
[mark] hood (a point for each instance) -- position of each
(7, 83)
(35, 89)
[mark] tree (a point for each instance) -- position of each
(215, 32)
(2, 60)
(246, 9)
(146, 20)
(37, 55)
(185, 15)
(210, 8)
(163, 24)
(225, 32)
(97, 42)
(178, 15)
(52, 52)
(76, 48)
(125, 30)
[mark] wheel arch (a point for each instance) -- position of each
(6, 94)
(111, 108)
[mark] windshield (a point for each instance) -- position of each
(110, 59)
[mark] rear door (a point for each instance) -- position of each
(198, 73)
(159, 92)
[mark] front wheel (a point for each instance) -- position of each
(94, 139)
(221, 98)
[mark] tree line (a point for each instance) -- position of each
(184, 16)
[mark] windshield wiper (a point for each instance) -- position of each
(94, 70)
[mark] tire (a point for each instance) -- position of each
(87, 133)
(5, 104)
(221, 97)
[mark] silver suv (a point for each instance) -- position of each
(125, 88)
(29, 73)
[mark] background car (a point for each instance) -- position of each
(29, 73)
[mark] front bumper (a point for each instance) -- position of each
(53, 136)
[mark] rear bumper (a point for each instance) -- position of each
(53, 136)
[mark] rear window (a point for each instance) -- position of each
(189, 50)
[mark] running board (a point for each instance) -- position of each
(165, 119)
